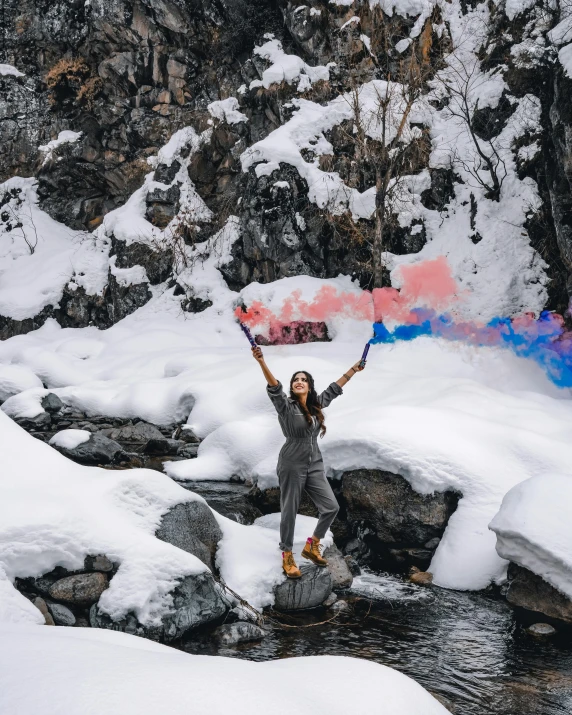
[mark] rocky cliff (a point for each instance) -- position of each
(338, 137)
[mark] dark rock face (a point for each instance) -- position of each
(309, 591)
(197, 600)
(228, 499)
(191, 527)
(81, 589)
(97, 450)
(394, 516)
(527, 590)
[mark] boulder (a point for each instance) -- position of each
(188, 451)
(527, 590)
(97, 450)
(240, 632)
(39, 422)
(80, 589)
(61, 614)
(192, 527)
(52, 403)
(338, 568)
(137, 437)
(309, 591)
(197, 600)
(395, 514)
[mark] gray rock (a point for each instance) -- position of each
(342, 607)
(527, 590)
(39, 422)
(541, 629)
(52, 403)
(81, 589)
(137, 437)
(42, 606)
(188, 451)
(97, 450)
(338, 567)
(309, 591)
(353, 565)
(188, 436)
(197, 600)
(332, 598)
(98, 563)
(240, 632)
(192, 527)
(61, 614)
(394, 513)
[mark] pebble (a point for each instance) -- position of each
(332, 598)
(541, 629)
(42, 606)
(61, 614)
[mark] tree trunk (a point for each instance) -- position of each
(379, 229)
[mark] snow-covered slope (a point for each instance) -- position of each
(77, 670)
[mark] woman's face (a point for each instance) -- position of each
(300, 385)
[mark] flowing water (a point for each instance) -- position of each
(469, 649)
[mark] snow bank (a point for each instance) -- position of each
(15, 379)
(10, 70)
(534, 529)
(39, 256)
(226, 110)
(54, 512)
(287, 68)
(75, 668)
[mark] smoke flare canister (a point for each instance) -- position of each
(248, 334)
(364, 355)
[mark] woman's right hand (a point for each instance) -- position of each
(257, 354)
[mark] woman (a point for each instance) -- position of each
(300, 464)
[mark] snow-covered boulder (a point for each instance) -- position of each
(534, 531)
(87, 448)
(15, 379)
(133, 676)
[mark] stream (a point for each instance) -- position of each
(469, 649)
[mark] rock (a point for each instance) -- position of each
(432, 544)
(197, 600)
(352, 565)
(51, 403)
(188, 451)
(240, 632)
(62, 614)
(342, 607)
(419, 557)
(227, 498)
(160, 446)
(396, 515)
(192, 527)
(338, 568)
(421, 578)
(137, 437)
(41, 605)
(98, 563)
(187, 435)
(541, 629)
(527, 590)
(309, 591)
(332, 598)
(97, 450)
(39, 422)
(81, 589)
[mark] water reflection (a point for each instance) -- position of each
(466, 648)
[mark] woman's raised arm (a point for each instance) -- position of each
(259, 357)
(346, 377)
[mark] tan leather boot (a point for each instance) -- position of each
(289, 565)
(312, 551)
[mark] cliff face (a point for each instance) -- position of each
(347, 132)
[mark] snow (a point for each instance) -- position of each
(10, 70)
(534, 530)
(54, 512)
(15, 379)
(65, 137)
(565, 57)
(77, 669)
(70, 438)
(226, 110)
(287, 68)
(39, 256)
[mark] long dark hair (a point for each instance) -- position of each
(312, 407)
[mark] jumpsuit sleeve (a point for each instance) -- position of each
(329, 394)
(279, 399)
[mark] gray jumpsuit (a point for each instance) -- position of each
(300, 464)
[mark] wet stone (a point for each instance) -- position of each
(81, 589)
(332, 598)
(541, 629)
(241, 632)
(309, 591)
